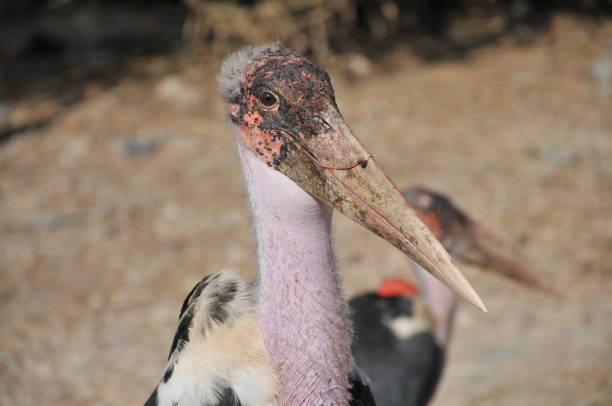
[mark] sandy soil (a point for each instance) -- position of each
(113, 211)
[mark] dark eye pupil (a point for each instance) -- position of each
(267, 99)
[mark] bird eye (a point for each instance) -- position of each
(268, 99)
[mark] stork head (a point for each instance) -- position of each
(284, 110)
(469, 241)
(444, 219)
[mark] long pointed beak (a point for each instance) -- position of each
(470, 242)
(334, 167)
(481, 247)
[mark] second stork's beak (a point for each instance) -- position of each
(333, 166)
(469, 241)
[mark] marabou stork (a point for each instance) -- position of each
(401, 337)
(287, 340)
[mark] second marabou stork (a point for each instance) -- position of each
(286, 341)
(402, 331)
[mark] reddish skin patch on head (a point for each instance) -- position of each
(307, 75)
(262, 142)
(395, 287)
(268, 142)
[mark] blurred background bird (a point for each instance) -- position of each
(403, 329)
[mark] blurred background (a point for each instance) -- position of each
(120, 187)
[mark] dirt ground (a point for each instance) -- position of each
(111, 212)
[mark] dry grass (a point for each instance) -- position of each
(102, 240)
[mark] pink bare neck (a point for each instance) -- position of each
(302, 313)
(442, 303)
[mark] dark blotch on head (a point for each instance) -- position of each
(303, 90)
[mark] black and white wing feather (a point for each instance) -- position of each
(217, 356)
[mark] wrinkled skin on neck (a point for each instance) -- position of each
(302, 312)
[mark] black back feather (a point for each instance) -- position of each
(403, 372)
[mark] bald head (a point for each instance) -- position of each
(237, 64)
